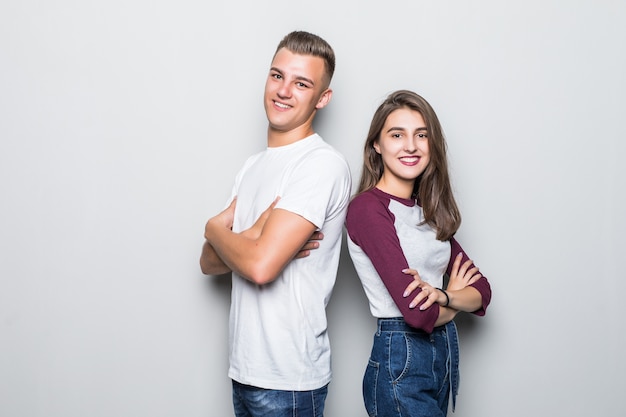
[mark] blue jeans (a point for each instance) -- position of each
(411, 372)
(250, 401)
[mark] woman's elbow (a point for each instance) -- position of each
(422, 321)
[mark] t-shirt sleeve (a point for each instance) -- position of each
(370, 225)
(317, 188)
(239, 177)
(482, 285)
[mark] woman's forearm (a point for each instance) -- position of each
(446, 315)
(467, 299)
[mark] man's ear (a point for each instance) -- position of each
(324, 99)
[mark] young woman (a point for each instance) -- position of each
(400, 227)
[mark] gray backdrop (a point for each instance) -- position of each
(123, 123)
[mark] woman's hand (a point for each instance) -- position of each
(428, 292)
(462, 275)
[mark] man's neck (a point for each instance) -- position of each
(277, 138)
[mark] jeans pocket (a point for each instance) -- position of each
(370, 383)
(399, 355)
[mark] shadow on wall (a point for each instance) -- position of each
(220, 286)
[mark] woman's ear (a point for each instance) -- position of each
(376, 147)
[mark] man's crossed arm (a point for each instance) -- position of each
(261, 252)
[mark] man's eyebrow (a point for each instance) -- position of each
(299, 77)
(307, 80)
(276, 70)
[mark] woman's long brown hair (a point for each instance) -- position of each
(432, 189)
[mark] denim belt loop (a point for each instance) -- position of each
(453, 348)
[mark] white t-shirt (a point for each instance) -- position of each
(278, 331)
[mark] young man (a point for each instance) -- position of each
(279, 347)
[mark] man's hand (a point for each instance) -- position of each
(225, 218)
(210, 262)
(311, 244)
(257, 228)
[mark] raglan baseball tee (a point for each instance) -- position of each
(387, 234)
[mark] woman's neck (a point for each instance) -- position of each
(396, 187)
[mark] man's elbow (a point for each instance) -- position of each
(261, 273)
(261, 278)
(208, 268)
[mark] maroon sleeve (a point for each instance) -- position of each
(482, 285)
(370, 225)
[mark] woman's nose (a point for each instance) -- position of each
(410, 145)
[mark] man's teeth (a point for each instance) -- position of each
(281, 105)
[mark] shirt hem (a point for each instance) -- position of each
(281, 385)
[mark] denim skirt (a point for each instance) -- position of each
(411, 372)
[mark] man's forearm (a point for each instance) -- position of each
(237, 252)
(210, 262)
(260, 258)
